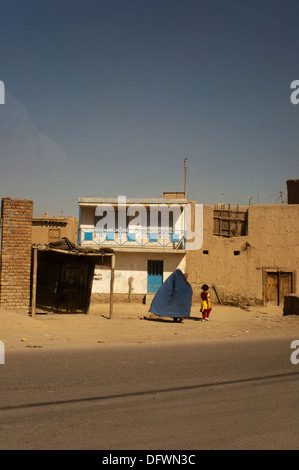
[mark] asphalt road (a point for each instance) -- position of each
(230, 395)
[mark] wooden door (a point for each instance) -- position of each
(278, 285)
(272, 288)
(285, 286)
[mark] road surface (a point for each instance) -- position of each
(222, 395)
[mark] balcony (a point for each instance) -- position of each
(137, 239)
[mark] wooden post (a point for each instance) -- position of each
(34, 279)
(112, 285)
(90, 279)
(130, 287)
(185, 177)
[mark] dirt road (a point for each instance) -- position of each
(132, 323)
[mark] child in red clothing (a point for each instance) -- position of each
(205, 303)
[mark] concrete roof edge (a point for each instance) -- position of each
(94, 201)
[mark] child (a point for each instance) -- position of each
(205, 303)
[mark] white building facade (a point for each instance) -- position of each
(146, 235)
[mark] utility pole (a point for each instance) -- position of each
(185, 182)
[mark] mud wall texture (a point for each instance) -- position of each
(237, 267)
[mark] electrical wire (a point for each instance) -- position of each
(215, 189)
(122, 187)
(232, 197)
(141, 180)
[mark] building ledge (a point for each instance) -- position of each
(115, 201)
(149, 250)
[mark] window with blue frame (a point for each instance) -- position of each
(88, 236)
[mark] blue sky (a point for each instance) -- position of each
(107, 98)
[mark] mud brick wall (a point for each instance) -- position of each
(15, 270)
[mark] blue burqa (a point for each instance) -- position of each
(174, 297)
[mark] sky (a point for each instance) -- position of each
(108, 97)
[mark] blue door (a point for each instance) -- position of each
(154, 275)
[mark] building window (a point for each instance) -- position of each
(88, 236)
(54, 234)
(230, 221)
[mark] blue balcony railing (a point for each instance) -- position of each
(161, 238)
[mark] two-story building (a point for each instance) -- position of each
(246, 254)
(146, 235)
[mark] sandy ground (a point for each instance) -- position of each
(133, 324)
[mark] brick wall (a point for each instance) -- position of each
(16, 240)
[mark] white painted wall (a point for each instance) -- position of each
(134, 265)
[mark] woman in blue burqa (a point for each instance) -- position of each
(174, 297)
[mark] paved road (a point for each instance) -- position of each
(230, 395)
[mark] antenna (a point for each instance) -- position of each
(280, 198)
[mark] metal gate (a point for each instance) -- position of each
(63, 286)
(73, 288)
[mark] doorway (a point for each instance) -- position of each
(278, 284)
(72, 292)
(63, 282)
(154, 275)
